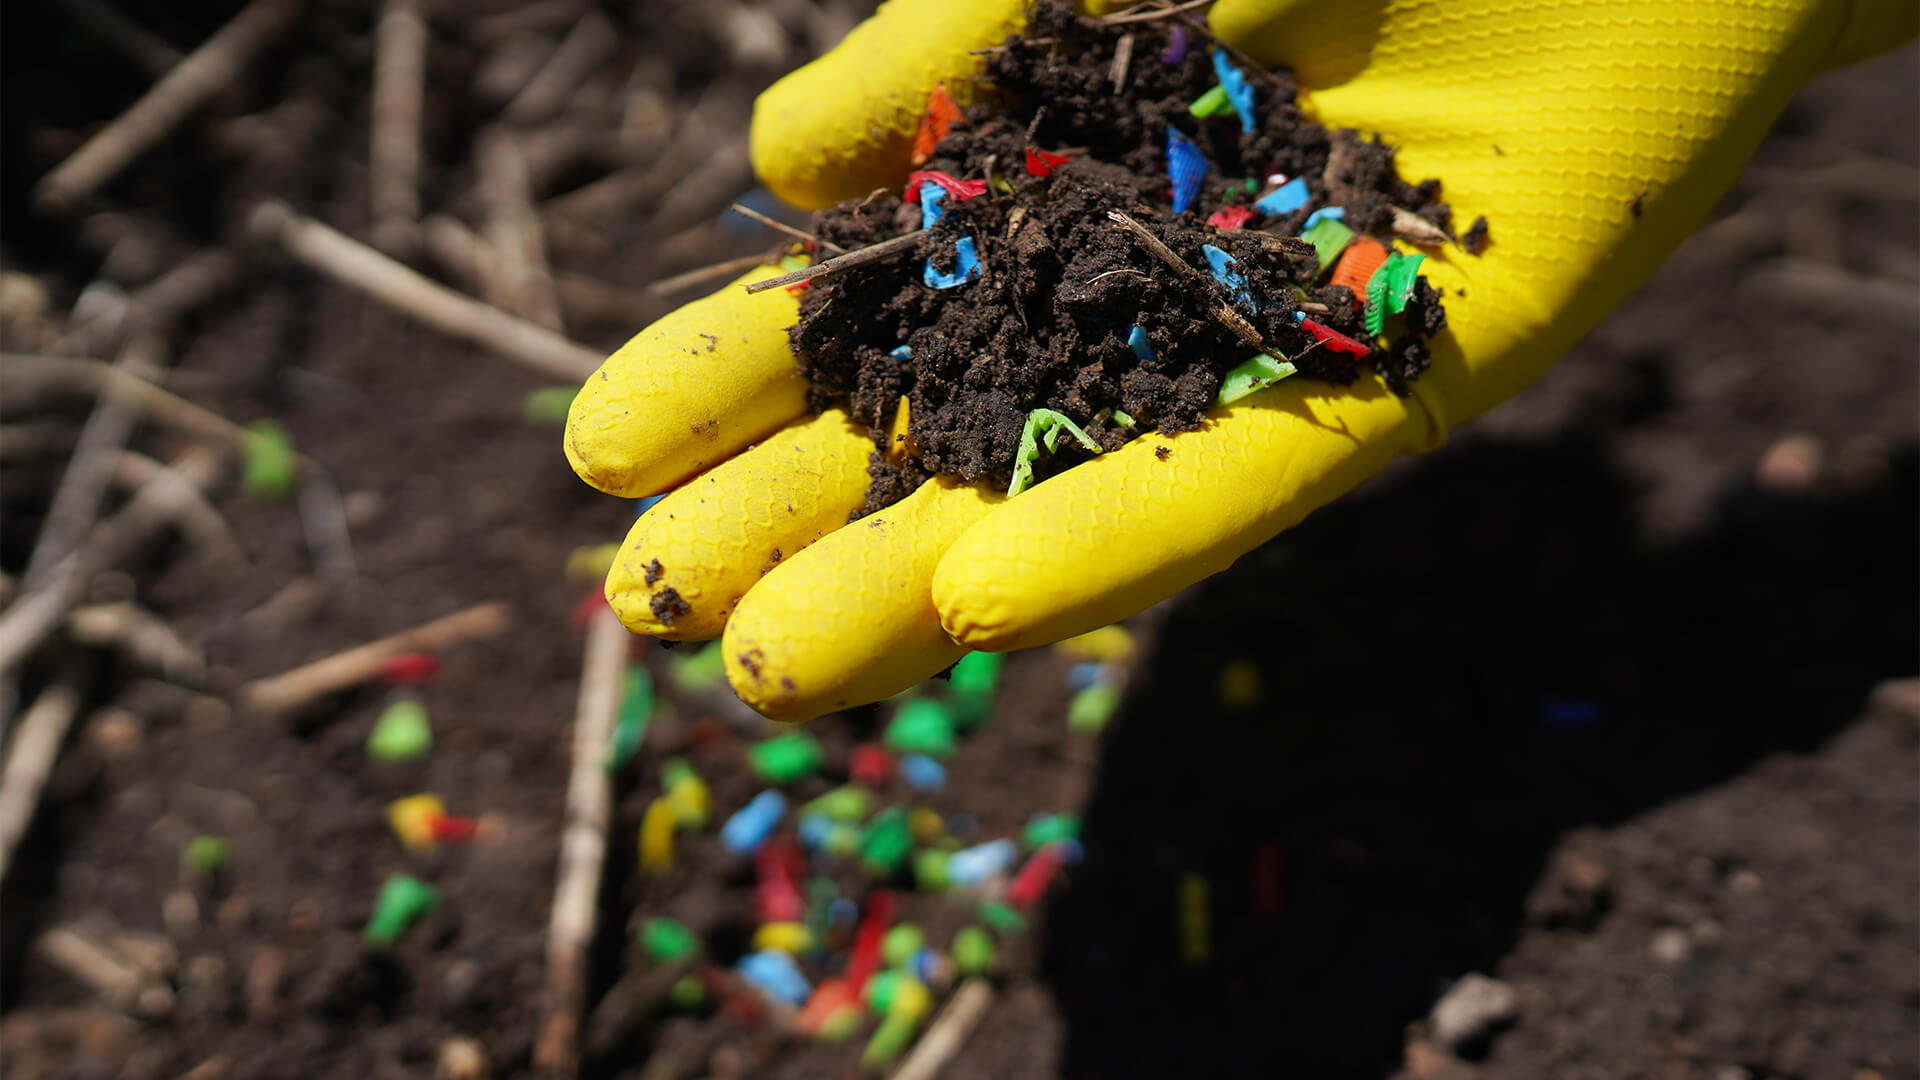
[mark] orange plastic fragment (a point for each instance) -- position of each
(1356, 266)
(934, 123)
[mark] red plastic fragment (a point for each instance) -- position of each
(447, 829)
(934, 123)
(776, 895)
(735, 999)
(871, 765)
(1041, 163)
(955, 189)
(1333, 339)
(409, 668)
(1030, 884)
(866, 944)
(1268, 900)
(1233, 217)
(588, 607)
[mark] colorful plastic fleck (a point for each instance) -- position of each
(847, 802)
(831, 1001)
(865, 959)
(409, 669)
(1041, 163)
(747, 829)
(791, 938)
(1229, 218)
(1109, 644)
(1256, 372)
(885, 842)
(1090, 709)
(1002, 918)
(786, 758)
(548, 406)
(930, 967)
(700, 671)
(930, 870)
(921, 726)
(402, 733)
(1333, 339)
(1212, 103)
(1284, 199)
(667, 941)
(636, 709)
(206, 854)
(813, 830)
(925, 826)
(687, 993)
(935, 122)
(1325, 213)
(777, 865)
(843, 840)
(1356, 265)
(909, 1006)
(976, 864)
(1196, 929)
(966, 267)
(1188, 168)
(656, 835)
(1142, 347)
(1234, 82)
(1030, 885)
(692, 804)
(1222, 265)
(1042, 430)
(1329, 237)
(870, 765)
(1043, 829)
(1176, 47)
(1376, 310)
(775, 974)
(403, 899)
(961, 190)
(411, 819)
(1402, 272)
(590, 563)
(973, 952)
(922, 773)
(271, 465)
(900, 943)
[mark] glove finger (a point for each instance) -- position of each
(850, 620)
(688, 391)
(688, 560)
(844, 125)
(1134, 526)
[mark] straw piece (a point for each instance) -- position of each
(950, 1029)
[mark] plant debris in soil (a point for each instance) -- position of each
(1030, 292)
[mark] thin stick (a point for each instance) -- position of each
(591, 43)
(522, 283)
(1247, 63)
(144, 637)
(134, 41)
(35, 746)
(399, 87)
(949, 1030)
(1149, 16)
(291, 689)
(704, 192)
(1122, 61)
(195, 516)
(1222, 312)
(583, 847)
(211, 68)
(751, 214)
(354, 264)
(702, 275)
(840, 264)
(195, 280)
(120, 385)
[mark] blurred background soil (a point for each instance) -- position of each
(1611, 701)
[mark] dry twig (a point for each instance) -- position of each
(583, 847)
(399, 86)
(134, 41)
(840, 264)
(704, 274)
(1136, 15)
(1222, 312)
(1122, 61)
(521, 282)
(591, 43)
(156, 305)
(208, 70)
(950, 1029)
(143, 635)
(751, 214)
(357, 665)
(34, 747)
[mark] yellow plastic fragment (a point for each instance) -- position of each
(656, 835)
(412, 819)
(1106, 645)
(786, 937)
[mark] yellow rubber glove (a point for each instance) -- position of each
(1594, 135)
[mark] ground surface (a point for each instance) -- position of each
(1585, 702)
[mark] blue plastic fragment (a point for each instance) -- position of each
(775, 974)
(1325, 213)
(1082, 675)
(922, 773)
(813, 831)
(641, 506)
(1071, 850)
(904, 352)
(1286, 198)
(933, 204)
(1234, 81)
(843, 912)
(1224, 272)
(1137, 341)
(745, 831)
(971, 866)
(966, 266)
(1188, 167)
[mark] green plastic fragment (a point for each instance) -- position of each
(207, 854)
(1256, 372)
(1123, 418)
(1402, 270)
(1091, 708)
(636, 709)
(667, 941)
(921, 726)
(687, 993)
(1377, 299)
(973, 952)
(790, 263)
(821, 893)
(401, 734)
(548, 406)
(879, 989)
(1042, 429)
(271, 463)
(885, 842)
(1214, 102)
(701, 671)
(930, 870)
(784, 759)
(848, 802)
(840, 1026)
(1250, 184)
(900, 943)
(843, 840)
(888, 1041)
(1002, 918)
(1044, 829)
(1329, 238)
(403, 899)
(977, 673)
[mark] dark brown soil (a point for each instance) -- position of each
(1595, 701)
(1047, 322)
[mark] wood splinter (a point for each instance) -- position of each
(840, 264)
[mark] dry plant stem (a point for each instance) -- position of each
(195, 516)
(596, 301)
(153, 55)
(583, 847)
(323, 518)
(1160, 13)
(704, 192)
(704, 274)
(840, 264)
(1122, 60)
(26, 369)
(1222, 312)
(209, 69)
(523, 284)
(399, 87)
(29, 619)
(76, 502)
(193, 281)
(1415, 229)
(357, 665)
(352, 263)
(143, 636)
(34, 747)
(949, 1030)
(751, 214)
(591, 43)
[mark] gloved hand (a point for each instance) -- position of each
(1594, 134)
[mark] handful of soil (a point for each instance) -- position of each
(1133, 217)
